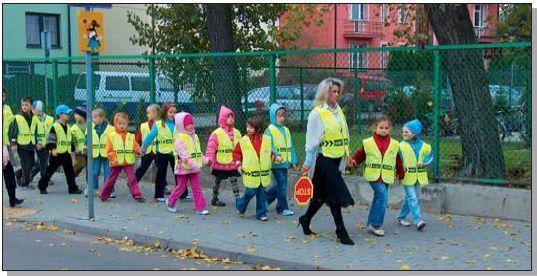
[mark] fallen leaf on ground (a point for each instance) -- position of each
(42, 227)
(252, 249)
(486, 256)
(74, 200)
(404, 267)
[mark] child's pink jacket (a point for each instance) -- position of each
(212, 144)
(181, 150)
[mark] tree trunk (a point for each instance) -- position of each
(422, 26)
(226, 82)
(482, 151)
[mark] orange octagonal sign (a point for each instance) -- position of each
(303, 190)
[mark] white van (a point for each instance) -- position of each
(112, 88)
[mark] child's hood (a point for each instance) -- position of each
(116, 119)
(179, 122)
(415, 127)
(223, 115)
(273, 110)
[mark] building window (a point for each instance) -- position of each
(357, 59)
(358, 12)
(385, 11)
(403, 14)
(478, 15)
(39, 22)
(384, 56)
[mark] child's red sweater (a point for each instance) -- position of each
(382, 143)
(256, 140)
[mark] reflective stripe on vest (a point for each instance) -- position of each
(378, 166)
(78, 137)
(165, 138)
(224, 152)
(144, 129)
(26, 134)
(124, 150)
(63, 140)
(256, 170)
(281, 143)
(99, 142)
(194, 150)
(413, 174)
(335, 142)
(43, 128)
(7, 119)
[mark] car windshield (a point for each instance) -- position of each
(140, 83)
(81, 84)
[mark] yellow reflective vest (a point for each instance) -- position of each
(63, 140)
(413, 174)
(224, 152)
(144, 129)
(26, 133)
(43, 128)
(165, 138)
(78, 137)
(256, 170)
(99, 142)
(335, 142)
(282, 142)
(378, 166)
(193, 148)
(7, 119)
(124, 150)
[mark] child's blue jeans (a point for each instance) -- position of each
(411, 204)
(96, 170)
(378, 205)
(278, 190)
(261, 201)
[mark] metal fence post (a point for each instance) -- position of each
(55, 83)
(152, 96)
(436, 113)
(272, 78)
(89, 135)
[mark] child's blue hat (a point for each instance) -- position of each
(63, 109)
(415, 127)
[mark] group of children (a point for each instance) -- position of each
(170, 138)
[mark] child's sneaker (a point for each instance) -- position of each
(141, 200)
(240, 214)
(420, 225)
(376, 231)
(263, 218)
(161, 199)
(287, 213)
(404, 222)
(113, 195)
(188, 197)
(170, 208)
(203, 212)
(217, 202)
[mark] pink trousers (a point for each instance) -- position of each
(111, 181)
(197, 192)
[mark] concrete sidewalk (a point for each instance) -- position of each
(448, 242)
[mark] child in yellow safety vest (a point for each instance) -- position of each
(100, 130)
(44, 124)
(60, 143)
(416, 155)
(382, 161)
(122, 149)
(153, 114)
(79, 137)
(189, 163)
(283, 144)
(253, 156)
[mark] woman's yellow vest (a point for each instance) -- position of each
(43, 128)
(281, 143)
(165, 138)
(99, 142)
(378, 166)
(256, 170)
(26, 134)
(144, 129)
(7, 119)
(78, 136)
(335, 141)
(63, 140)
(193, 149)
(124, 150)
(414, 174)
(224, 152)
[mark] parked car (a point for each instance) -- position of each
(130, 88)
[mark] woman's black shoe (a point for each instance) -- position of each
(43, 192)
(14, 202)
(343, 237)
(305, 226)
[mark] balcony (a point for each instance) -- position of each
(362, 29)
(486, 34)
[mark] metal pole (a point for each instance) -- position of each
(301, 96)
(436, 124)
(152, 96)
(55, 83)
(272, 78)
(511, 83)
(89, 95)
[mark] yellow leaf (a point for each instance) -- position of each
(74, 200)
(42, 227)
(398, 261)
(444, 258)
(404, 267)
(486, 256)
(252, 249)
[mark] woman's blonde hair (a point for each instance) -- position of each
(323, 90)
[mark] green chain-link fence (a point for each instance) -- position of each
(400, 82)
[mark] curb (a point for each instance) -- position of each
(174, 244)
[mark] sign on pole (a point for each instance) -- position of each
(303, 190)
(91, 32)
